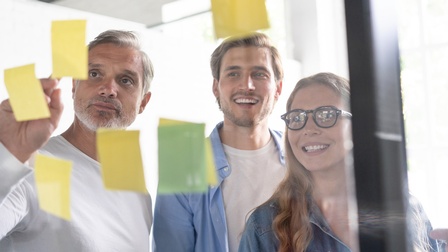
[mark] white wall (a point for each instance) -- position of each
(182, 87)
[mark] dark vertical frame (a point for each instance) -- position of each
(378, 132)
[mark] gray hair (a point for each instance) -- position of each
(127, 39)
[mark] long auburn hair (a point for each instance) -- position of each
(291, 225)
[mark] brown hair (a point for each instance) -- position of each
(291, 224)
(255, 39)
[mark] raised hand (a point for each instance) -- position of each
(22, 139)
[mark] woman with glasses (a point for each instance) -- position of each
(310, 210)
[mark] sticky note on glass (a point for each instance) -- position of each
(26, 95)
(53, 185)
(121, 160)
(182, 157)
(69, 50)
(238, 17)
(212, 178)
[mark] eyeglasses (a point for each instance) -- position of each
(324, 117)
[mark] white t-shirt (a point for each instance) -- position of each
(101, 220)
(255, 174)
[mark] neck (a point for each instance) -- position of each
(245, 138)
(335, 200)
(82, 138)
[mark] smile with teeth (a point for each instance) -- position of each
(312, 148)
(245, 101)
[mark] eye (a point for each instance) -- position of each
(126, 81)
(94, 73)
(233, 74)
(326, 115)
(299, 117)
(261, 75)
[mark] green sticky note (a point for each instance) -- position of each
(53, 185)
(26, 95)
(121, 161)
(182, 157)
(237, 17)
(69, 50)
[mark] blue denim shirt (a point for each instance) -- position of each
(259, 236)
(196, 221)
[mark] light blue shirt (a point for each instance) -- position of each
(197, 221)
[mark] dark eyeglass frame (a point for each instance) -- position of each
(339, 112)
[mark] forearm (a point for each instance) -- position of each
(12, 172)
(16, 194)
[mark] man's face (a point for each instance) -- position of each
(246, 90)
(112, 95)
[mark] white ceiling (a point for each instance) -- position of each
(148, 12)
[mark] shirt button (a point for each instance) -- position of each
(226, 169)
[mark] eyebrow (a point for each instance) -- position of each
(95, 65)
(131, 73)
(126, 71)
(230, 68)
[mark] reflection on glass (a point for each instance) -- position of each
(424, 57)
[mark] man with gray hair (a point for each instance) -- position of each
(117, 89)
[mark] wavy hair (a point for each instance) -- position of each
(291, 225)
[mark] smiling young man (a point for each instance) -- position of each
(247, 83)
(117, 89)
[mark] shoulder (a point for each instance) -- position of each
(259, 235)
(276, 133)
(55, 144)
(261, 219)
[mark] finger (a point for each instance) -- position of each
(439, 234)
(48, 85)
(56, 106)
(6, 106)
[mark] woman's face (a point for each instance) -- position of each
(320, 149)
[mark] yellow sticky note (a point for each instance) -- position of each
(238, 17)
(212, 178)
(26, 95)
(53, 185)
(121, 161)
(69, 50)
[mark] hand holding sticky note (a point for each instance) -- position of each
(121, 161)
(186, 161)
(26, 95)
(238, 17)
(69, 51)
(53, 185)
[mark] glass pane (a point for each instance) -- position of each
(436, 21)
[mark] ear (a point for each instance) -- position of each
(279, 89)
(215, 88)
(144, 101)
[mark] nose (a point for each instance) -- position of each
(247, 83)
(310, 127)
(108, 88)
